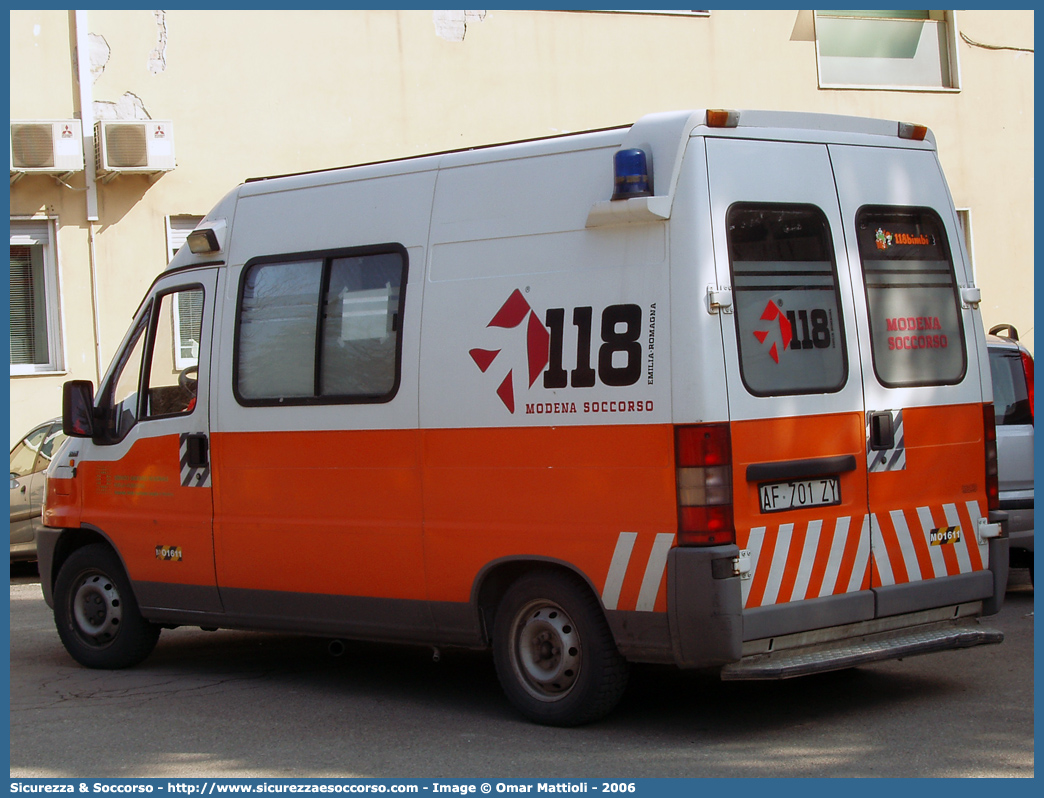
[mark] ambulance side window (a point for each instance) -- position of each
(912, 300)
(787, 306)
(120, 400)
(173, 372)
(147, 381)
(321, 329)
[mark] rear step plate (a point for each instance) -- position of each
(841, 654)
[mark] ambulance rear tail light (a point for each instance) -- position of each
(703, 462)
(989, 425)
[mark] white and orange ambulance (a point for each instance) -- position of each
(709, 390)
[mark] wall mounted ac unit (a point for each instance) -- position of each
(46, 146)
(143, 147)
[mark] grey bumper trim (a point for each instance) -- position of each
(860, 651)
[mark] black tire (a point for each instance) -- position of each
(96, 614)
(554, 653)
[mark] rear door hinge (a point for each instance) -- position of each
(985, 530)
(971, 296)
(719, 299)
(741, 564)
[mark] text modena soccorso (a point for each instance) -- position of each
(916, 324)
(550, 408)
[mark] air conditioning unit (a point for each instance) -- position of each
(46, 146)
(139, 147)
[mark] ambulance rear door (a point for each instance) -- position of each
(921, 376)
(794, 385)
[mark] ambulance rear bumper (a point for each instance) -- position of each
(708, 626)
(862, 650)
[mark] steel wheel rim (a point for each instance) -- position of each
(545, 650)
(97, 609)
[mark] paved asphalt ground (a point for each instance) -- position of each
(238, 705)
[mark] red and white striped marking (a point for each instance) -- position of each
(823, 557)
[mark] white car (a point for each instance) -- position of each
(29, 460)
(1012, 368)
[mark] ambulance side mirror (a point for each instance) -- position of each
(78, 409)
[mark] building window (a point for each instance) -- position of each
(886, 49)
(35, 327)
(188, 309)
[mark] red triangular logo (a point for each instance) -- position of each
(483, 358)
(512, 312)
(507, 393)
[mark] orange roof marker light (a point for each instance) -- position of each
(912, 132)
(721, 118)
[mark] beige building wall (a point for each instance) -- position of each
(266, 92)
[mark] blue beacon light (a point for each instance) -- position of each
(631, 175)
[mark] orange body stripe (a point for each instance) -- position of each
(416, 514)
(410, 514)
(945, 465)
(796, 438)
(336, 513)
(140, 504)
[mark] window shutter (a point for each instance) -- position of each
(23, 326)
(30, 304)
(178, 229)
(190, 321)
(188, 310)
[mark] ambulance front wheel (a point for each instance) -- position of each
(96, 614)
(554, 652)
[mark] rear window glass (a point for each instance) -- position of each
(916, 331)
(788, 315)
(1011, 403)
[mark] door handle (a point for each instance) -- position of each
(196, 450)
(801, 469)
(882, 431)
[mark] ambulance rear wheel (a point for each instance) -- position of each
(96, 614)
(554, 653)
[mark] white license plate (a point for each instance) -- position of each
(818, 492)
